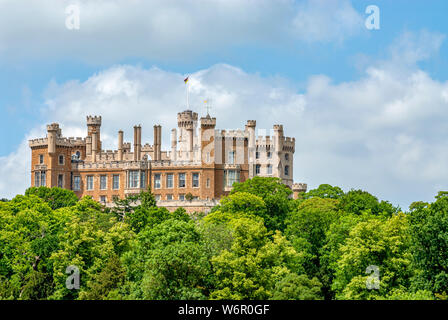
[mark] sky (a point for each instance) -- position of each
(368, 107)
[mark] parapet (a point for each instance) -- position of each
(251, 123)
(53, 127)
(208, 121)
(187, 115)
(94, 120)
(299, 187)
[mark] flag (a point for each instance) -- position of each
(186, 79)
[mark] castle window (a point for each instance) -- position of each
(41, 159)
(181, 180)
(286, 156)
(157, 197)
(133, 179)
(142, 179)
(269, 154)
(103, 199)
(61, 159)
(76, 183)
(208, 183)
(116, 182)
(286, 170)
(169, 180)
(195, 180)
(103, 182)
(181, 197)
(230, 177)
(37, 179)
(257, 169)
(257, 155)
(89, 183)
(169, 197)
(231, 157)
(60, 181)
(269, 169)
(157, 184)
(43, 176)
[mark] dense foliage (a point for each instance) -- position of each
(258, 243)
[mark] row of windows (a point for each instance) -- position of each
(269, 155)
(269, 169)
(181, 178)
(40, 179)
(90, 182)
(61, 159)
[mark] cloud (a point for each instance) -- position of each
(385, 132)
(166, 30)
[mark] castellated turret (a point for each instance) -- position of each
(94, 130)
(53, 132)
(187, 122)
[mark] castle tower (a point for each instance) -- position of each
(52, 133)
(94, 131)
(278, 147)
(207, 139)
(187, 123)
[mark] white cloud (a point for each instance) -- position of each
(385, 132)
(166, 30)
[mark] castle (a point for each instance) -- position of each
(200, 168)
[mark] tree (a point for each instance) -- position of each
(55, 197)
(307, 227)
(168, 261)
(429, 230)
(358, 201)
(297, 287)
(382, 244)
(275, 195)
(325, 191)
(254, 263)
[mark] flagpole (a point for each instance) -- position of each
(188, 95)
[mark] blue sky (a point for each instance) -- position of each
(294, 46)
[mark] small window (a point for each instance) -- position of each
(157, 197)
(60, 181)
(37, 179)
(103, 199)
(269, 154)
(257, 169)
(103, 182)
(76, 183)
(41, 158)
(169, 180)
(269, 169)
(89, 183)
(231, 157)
(43, 176)
(286, 170)
(157, 181)
(230, 177)
(61, 159)
(195, 180)
(169, 197)
(287, 156)
(133, 179)
(142, 179)
(257, 155)
(181, 197)
(116, 181)
(181, 180)
(208, 183)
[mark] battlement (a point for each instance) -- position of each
(186, 116)
(40, 142)
(299, 187)
(278, 127)
(251, 123)
(53, 127)
(94, 120)
(208, 121)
